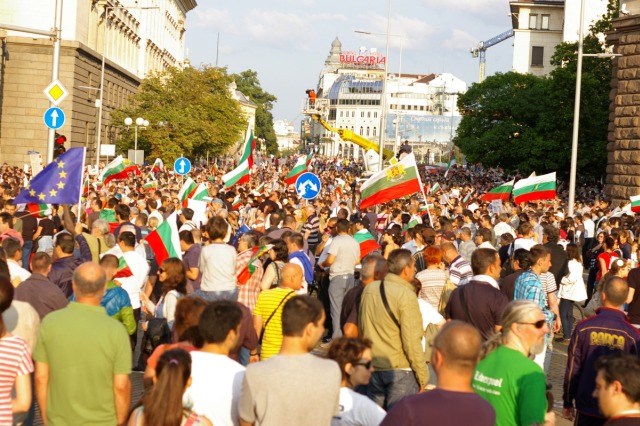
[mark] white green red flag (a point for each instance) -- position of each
(434, 189)
(238, 175)
(114, 170)
(367, 242)
(394, 182)
(150, 186)
(187, 190)
(452, 162)
(39, 210)
(164, 240)
(123, 268)
(501, 192)
(466, 198)
(260, 188)
(535, 188)
(249, 147)
(299, 168)
(85, 186)
(201, 193)
(245, 274)
(158, 166)
(340, 187)
(635, 204)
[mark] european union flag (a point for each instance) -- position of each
(58, 183)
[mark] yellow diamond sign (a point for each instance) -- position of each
(55, 92)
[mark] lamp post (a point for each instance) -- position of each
(576, 109)
(104, 54)
(140, 123)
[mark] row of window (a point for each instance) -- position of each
(355, 101)
(363, 130)
(353, 114)
(544, 22)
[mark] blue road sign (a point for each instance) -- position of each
(308, 186)
(182, 166)
(54, 118)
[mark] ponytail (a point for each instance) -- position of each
(163, 402)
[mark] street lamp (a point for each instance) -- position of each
(104, 54)
(576, 109)
(140, 122)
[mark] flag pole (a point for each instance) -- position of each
(84, 157)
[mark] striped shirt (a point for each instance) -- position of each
(267, 304)
(460, 271)
(15, 360)
(312, 225)
(248, 292)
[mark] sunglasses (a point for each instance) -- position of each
(537, 324)
(366, 365)
(160, 270)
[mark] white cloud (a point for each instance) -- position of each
(460, 40)
(466, 7)
(415, 33)
(216, 19)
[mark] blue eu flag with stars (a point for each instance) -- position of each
(58, 183)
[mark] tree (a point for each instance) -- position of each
(525, 123)
(191, 112)
(249, 84)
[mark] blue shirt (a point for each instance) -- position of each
(529, 287)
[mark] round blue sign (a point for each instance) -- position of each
(182, 166)
(308, 186)
(54, 118)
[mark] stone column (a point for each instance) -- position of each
(623, 162)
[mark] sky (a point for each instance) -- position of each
(287, 41)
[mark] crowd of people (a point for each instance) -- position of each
(438, 308)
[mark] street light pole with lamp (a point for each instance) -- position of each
(140, 123)
(576, 109)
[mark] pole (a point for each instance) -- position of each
(383, 101)
(84, 157)
(397, 142)
(135, 140)
(104, 54)
(576, 116)
(54, 71)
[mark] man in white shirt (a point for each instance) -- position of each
(525, 238)
(13, 249)
(503, 227)
(216, 378)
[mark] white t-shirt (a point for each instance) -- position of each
(215, 387)
(589, 228)
(525, 243)
(429, 316)
(357, 410)
(140, 269)
(218, 267)
(304, 289)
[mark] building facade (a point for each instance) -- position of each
(540, 25)
(135, 42)
(421, 108)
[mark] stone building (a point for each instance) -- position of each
(138, 41)
(623, 163)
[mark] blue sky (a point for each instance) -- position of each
(287, 41)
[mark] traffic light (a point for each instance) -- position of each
(59, 147)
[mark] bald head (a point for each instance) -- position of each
(292, 275)
(459, 343)
(89, 279)
(615, 292)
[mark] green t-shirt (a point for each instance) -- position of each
(84, 348)
(514, 385)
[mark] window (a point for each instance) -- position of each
(341, 113)
(544, 22)
(362, 114)
(375, 130)
(353, 113)
(368, 131)
(369, 114)
(533, 22)
(375, 115)
(361, 130)
(537, 56)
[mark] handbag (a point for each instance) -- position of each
(448, 288)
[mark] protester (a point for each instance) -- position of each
(572, 290)
(172, 275)
(618, 388)
(218, 263)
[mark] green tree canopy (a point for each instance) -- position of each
(191, 112)
(524, 123)
(249, 84)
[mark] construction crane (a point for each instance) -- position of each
(481, 48)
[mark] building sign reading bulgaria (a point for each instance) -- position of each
(362, 57)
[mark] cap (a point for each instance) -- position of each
(218, 201)
(448, 235)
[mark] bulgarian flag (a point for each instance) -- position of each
(340, 186)
(214, 168)
(467, 197)
(502, 192)
(394, 182)
(164, 240)
(452, 162)
(158, 165)
(635, 204)
(411, 224)
(249, 147)
(260, 188)
(151, 186)
(366, 241)
(131, 168)
(535, 188)
(245, 274)
(85, 186)
(187, 190)
(114, 170)
(39, 210)
(299, 168)
(435, 188)
(201, 193)
(123, 268)
(238, 175)
(237, 202)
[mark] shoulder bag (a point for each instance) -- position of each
(284, 299)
